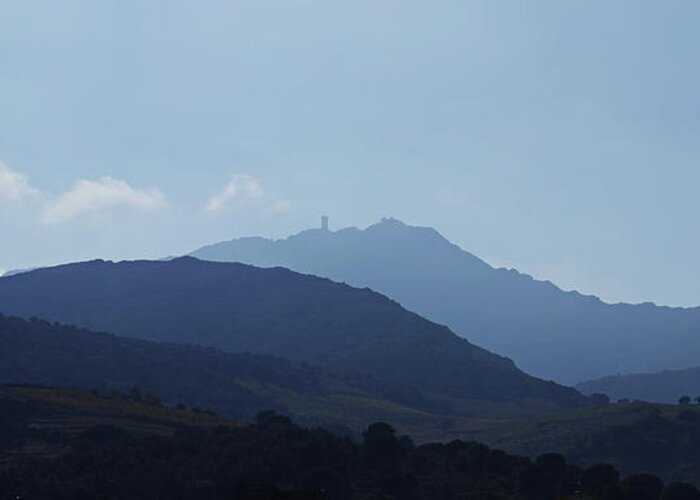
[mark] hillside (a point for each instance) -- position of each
(38, 352)
(634, 437)
(70, 444)
(239, 308)
(33, 417)
(233, 385)
(564, 336)
(662, 387)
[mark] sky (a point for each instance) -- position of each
(558, 138)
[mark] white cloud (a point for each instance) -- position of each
(14, 186)
(245, 189)
(89, 197)
(281, 205)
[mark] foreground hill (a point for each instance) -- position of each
(633, 437)
(663, 387)
(239, 308)
(663, 439)
(38, 352)
(68, 444)
(233, 385)
(564, 336)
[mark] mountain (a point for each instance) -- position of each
(43, 421)
(238, 308)
(662, 387)
(38, 352)
(234, 385)
(13, 272)
(564, 336)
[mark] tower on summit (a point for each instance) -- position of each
(324, 222)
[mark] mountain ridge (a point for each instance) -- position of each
(666, 386)
(555, 334)
(303, 318)
(394, 221)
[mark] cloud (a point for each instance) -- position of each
(15, 186)
(90, 197)
(281, 205)
(245, 189)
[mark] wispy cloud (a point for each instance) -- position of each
(90, 197)
(15, 186)
(281, 205)
(247, 190)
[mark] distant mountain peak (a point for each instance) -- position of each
(554, 334)
(390, 221)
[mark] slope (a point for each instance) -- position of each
(662, 387)
(564, 336)
(239, 308)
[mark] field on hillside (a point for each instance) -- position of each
(38, 422)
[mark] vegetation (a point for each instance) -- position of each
(661, 387)
(239, 386)
(124, 460)
(234, 385)
(634, 437)
(236, 308)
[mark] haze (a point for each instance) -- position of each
(558, 138)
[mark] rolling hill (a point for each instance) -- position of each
(38, 352)
(662, 387)
(633, 437)
(563, 336)
(237, 308)
(69, 443)
(234, 385)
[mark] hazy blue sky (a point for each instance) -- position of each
(560, 138)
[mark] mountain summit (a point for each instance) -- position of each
(551, 333)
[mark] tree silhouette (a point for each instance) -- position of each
(554, 472)
(600, 399)
(681, 491)
(381, 447)
(598, 478)
(643, 487)
(684, 400)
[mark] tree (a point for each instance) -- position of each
(136, 393)
(381, 447)
(151, 398)
(598, 478)
(684, 400)
(554, 470)
(552, 464)
(600, 399)
(697, 399)
(681, 491)
(643, 487)
(270, 418)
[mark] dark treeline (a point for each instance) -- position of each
(669, 445)
(107, 462)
